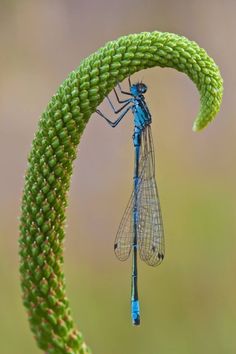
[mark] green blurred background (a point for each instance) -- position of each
(188, 303)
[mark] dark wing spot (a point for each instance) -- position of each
(115, 246)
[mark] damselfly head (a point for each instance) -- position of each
(138, 88)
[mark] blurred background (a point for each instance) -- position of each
(188, 303)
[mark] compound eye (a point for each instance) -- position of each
(144, 88)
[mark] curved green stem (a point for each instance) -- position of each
(50, 167)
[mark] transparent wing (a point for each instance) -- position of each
(124, 236)
(150, 227)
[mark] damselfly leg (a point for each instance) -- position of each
(125, 92)
(117, 121)
(121, 108)
(116, 111)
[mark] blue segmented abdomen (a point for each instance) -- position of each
(135, 312)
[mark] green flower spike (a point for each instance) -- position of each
(50, 167)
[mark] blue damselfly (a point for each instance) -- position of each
(141, 227)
